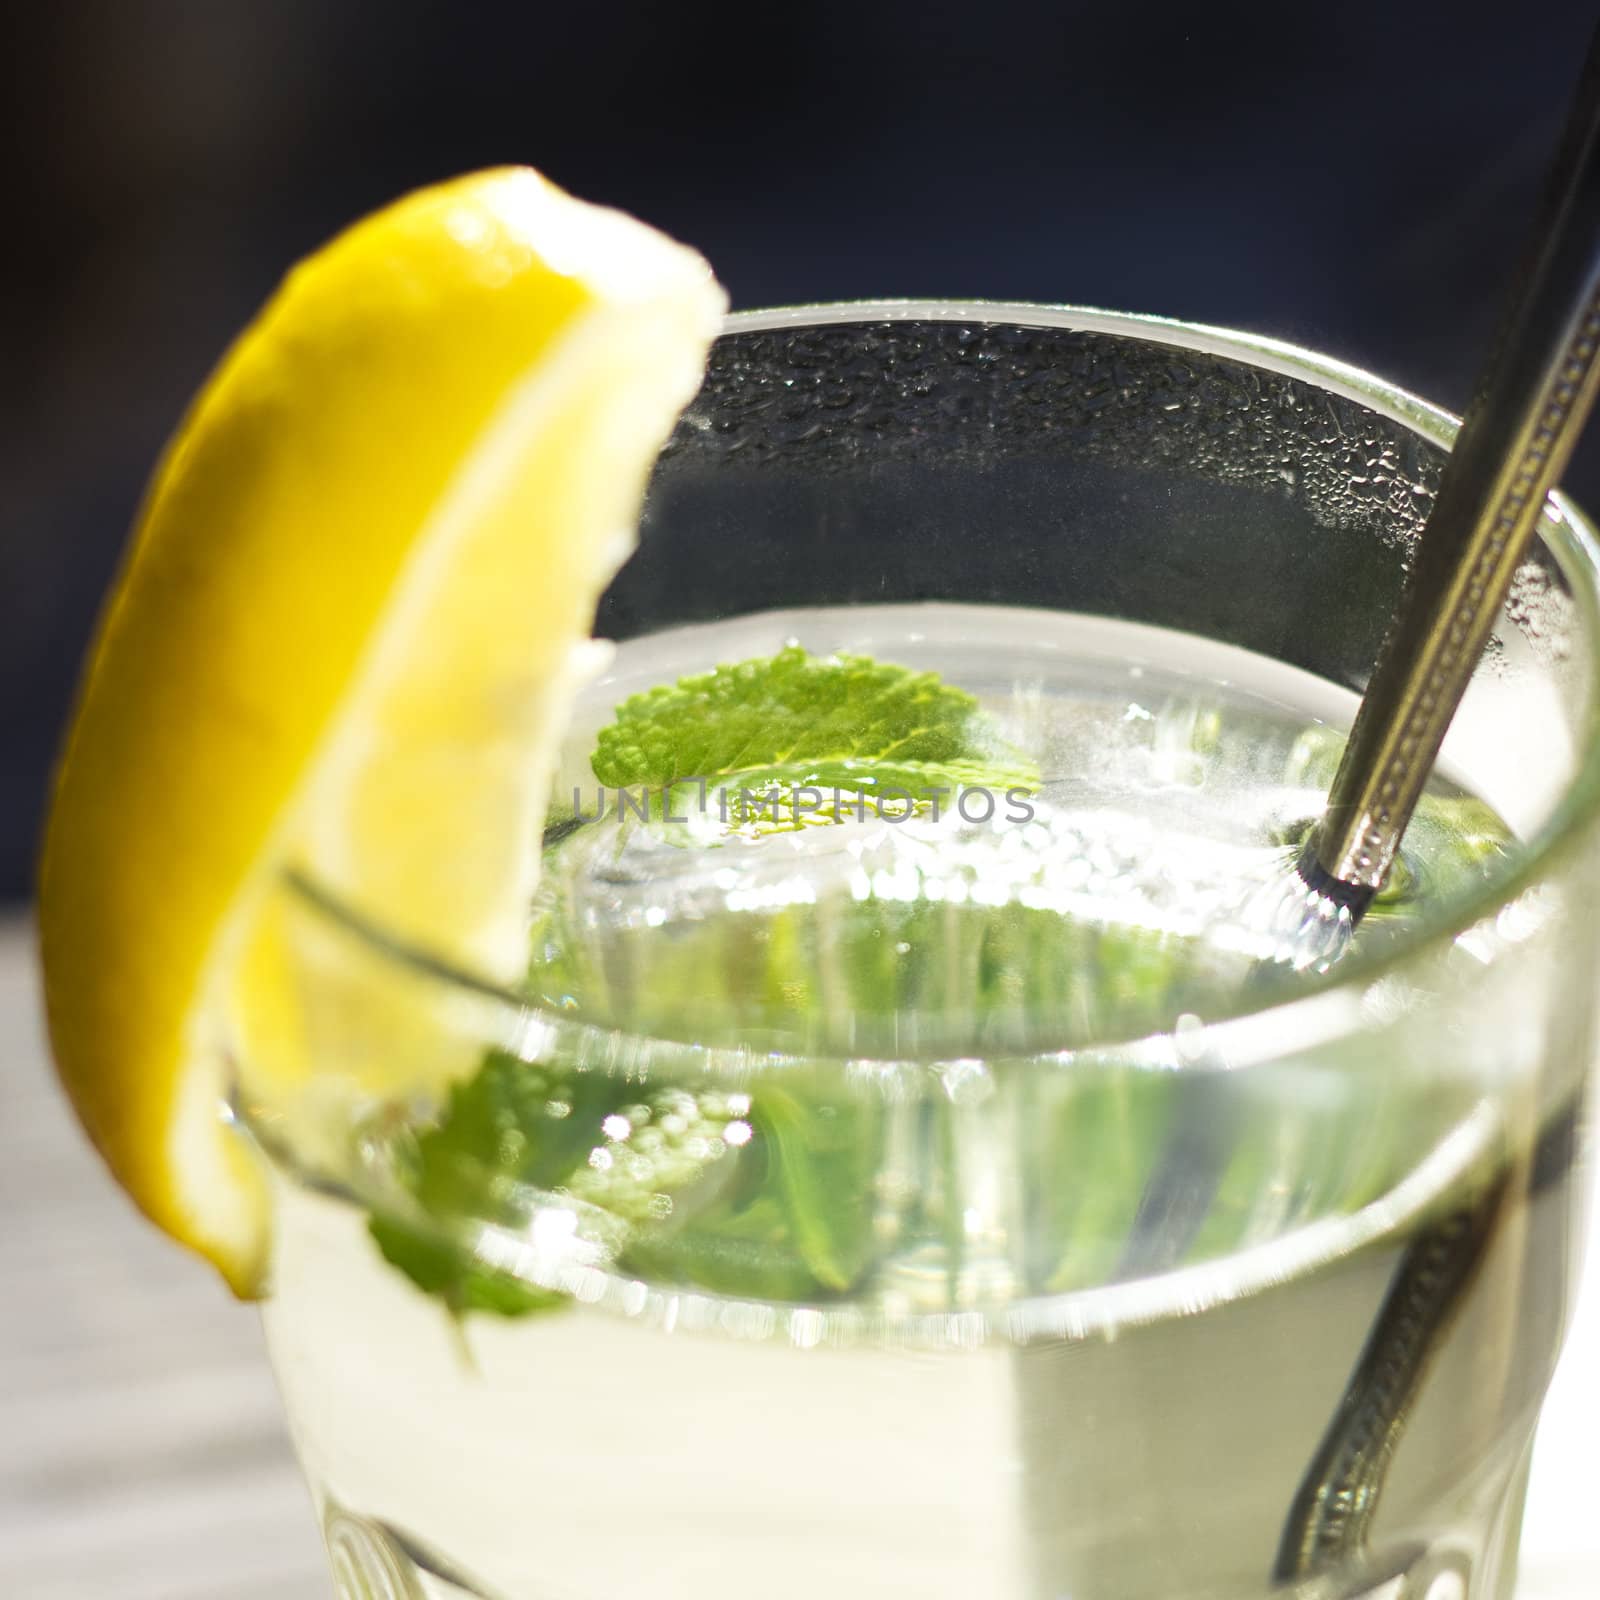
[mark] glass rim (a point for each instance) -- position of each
(1263, 1029)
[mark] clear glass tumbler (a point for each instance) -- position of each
(1255, 1299)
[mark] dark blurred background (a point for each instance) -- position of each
(1354, 177)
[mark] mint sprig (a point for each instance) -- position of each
(839, 723)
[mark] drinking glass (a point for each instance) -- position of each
(1261, 1301)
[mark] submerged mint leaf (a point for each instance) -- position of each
(449, 1272)
(519, 1135)
(834, 722)
(510, 1129)
(796, 1220)
(825, 1157)
(512, 1126)
(749, 1253)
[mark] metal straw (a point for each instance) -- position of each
(1533, 396)
(1537, 389)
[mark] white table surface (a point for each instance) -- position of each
(142, 1455)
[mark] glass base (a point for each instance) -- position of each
(373, 1560)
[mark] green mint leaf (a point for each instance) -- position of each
(513, 1126)
(842, 721)
(746, 1252)
(509, 1129)
(825, 1156)
(450, 1273)
(796, 1221)
(517, 1133)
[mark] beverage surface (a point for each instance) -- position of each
(1110, 868)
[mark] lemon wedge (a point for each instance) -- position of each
(345, 638)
